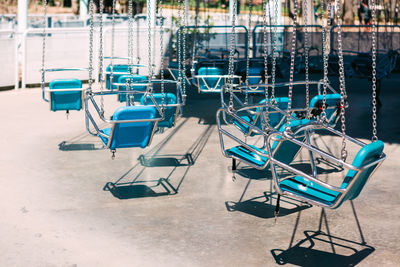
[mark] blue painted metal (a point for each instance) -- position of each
(71, 100)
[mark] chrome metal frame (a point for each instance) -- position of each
(312, 127)
(214, 89)
(265, 134)
(90, 119)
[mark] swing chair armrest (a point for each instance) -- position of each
(65, 69)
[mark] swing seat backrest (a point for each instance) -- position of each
(118, 68)
(309, 190)
(134, 79)
(332, 102)
(71, 100)
(170, 113)
(284, 151)
(288, 150)
(274, 118)
(131, 134)
(365, 155)
(255, 75)
(210, 83)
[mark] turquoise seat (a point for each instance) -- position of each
(118, 71)
(169, 112)
(255, 75)
(131, 134)
(285, 152)
(71, 100)
(133, 79)
(332, 102)
(309, 190)
(207, 84)
(274, 118)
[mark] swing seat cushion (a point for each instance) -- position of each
(207, 84)
(309, 190)
(71, 100)
(134, 79)
(246, 155)
(131, 134)
(305, 188)
(169, 112)
(285, 153)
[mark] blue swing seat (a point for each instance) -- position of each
(212, 83)
(71, 100)
(134, 79)
(285, 153)
(131, 134)
(309, 190)
(120, 69)
(169, 112)
(255, 75)
(331, 101)
(274, 118)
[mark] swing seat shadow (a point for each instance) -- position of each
(262, 209)
(65, 146)
(165, 161)
(136, 190)
(304, 253)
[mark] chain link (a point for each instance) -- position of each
(184, 32)
(101, 56)
(274, 52)
(265, 53)
(130, 37)
(292, 58)
(112, 44)
(341, 81)
(325, 51)
(91, 32)
(374, 121)
(231, 58)
(149, 56)
(246, 100)
(44, 25)
(306, 55)
(162, 54)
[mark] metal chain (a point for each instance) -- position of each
(292, 58)
(184, 49)
(265, 52)
(231, 57)
(325, 51)
(43, 70)
(112, 44)
(149, 56)
(341, 81)
(374, 121)
(101, 56)
(246, 100)
(274, 44)
(130, 37)
(162, 54)
(179, 43)
(306, 55)
(91, 32)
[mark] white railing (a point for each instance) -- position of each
(9, 56)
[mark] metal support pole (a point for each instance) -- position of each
(83, 9)
(22, 15)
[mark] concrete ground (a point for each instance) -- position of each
(66, 203)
